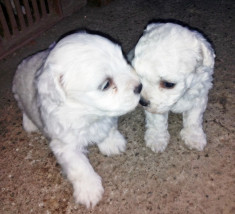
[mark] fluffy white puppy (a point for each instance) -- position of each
(175, 65)
(73, 93)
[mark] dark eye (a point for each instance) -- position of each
(106, 85)
(167, 85)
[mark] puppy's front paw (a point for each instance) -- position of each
(156, 142)
(194, 138)
(113, 145)
(88, 191)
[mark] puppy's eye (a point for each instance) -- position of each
(105, 85)
(167, 85)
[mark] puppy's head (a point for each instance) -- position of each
(170, 59)
(88, 72)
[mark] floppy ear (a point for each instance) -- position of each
(49, 85)
(208, 55)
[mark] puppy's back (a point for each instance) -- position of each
(24, 87)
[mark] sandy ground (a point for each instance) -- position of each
(177, 181)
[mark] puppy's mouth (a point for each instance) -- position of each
(146, 105)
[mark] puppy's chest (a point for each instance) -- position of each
(189, 99)
(184, 104)
(98, 130)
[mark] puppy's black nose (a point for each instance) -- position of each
(138, 89)
(144, 102)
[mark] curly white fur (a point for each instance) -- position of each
(73, 93)
(175, 65)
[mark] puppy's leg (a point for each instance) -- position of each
(156, 135)
(28, 124)
(86, 182)
(192, 133)
(114, 144)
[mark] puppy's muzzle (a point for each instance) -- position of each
(138, 89)
(144, 102)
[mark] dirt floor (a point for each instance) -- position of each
(177, 181)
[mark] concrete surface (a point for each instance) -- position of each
(177, 181)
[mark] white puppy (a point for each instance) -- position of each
(73, 93)
(175, 65)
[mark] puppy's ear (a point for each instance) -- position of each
(50, 85)
(208, 55)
